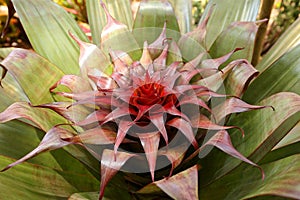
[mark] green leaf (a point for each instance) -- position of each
(183, 12)
(47, 26)
(226, 12)
(263, 130)
(96, 18)
(292, 137)
(121, 11)
(17, 139)
(283, 75)
(282, 179)
(34, 73)
(288, 40)
(150, 19)
(28, 181)
(5, 51)
(236, 35)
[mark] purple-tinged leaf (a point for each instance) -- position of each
(175, 155)
(73, 114)
(146, 59)
(91, 57)
(158, 45)
(110, 166)
(193, 64)
(116, 113)
(103, 83)
(161, 61)
(75, 83)
(123, 128)
(183, 186)
(43, 118)
(214, 82)
(159, 122)
(222, 141)
(51, 141)
(174, 53)
(216, 62)
(195, 101)
(97, 135)
(120, 79)
(96, 116)
(120, 65)
(150, 142)
(197, 35)
(112, 25)
(186, 129)
(238, 80)
(204, 123)
(233, 105)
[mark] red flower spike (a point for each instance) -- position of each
(150, 142)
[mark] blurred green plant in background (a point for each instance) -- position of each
(285, 12)
(198, 9)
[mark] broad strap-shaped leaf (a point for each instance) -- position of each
(52, 140)
(42, 118)
(243, 10)
(110, 166)
(287, 41)
(150, 142)
(96, 18)
(282, 182)
(33, 182)
(283, 75)
(264, 129)
(47, 28)
(121, 11)
(183, 12)
(150, 19)
(236, 35)
(34, 74)
(183, 185)
(292, 137)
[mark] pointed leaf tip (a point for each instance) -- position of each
(181, 186)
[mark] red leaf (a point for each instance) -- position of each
(110, 166)
(123, 128)
(52, 140)
(150, 142)
(185, 128)
(120, 65)
(159, 122)
(183, 186)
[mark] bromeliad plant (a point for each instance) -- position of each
(148, 105)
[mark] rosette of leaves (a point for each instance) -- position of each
(137, 110)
